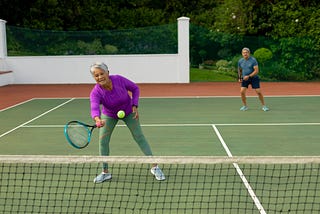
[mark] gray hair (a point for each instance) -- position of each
(246, 49)
(100, 65)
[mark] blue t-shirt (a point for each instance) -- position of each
(247, 65)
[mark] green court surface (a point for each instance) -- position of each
(208, 126)
(173, 126)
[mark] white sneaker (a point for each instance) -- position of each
(158, 174)
(244, 108)
(102, 177)
(265, 108)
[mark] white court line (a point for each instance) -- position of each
(177, 97)
(243, 178)
(35, 118)
(49, 98)
(161, 97)
(43, 126)
(18, 104)
(226, 96)
(267, 124)
(123, 125)
(192, 125)
(62, 98)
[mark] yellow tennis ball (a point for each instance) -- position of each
(121, 114)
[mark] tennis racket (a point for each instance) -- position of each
(78, 134)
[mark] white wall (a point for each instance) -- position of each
(151, 68)
(6, 78)
(75, 69)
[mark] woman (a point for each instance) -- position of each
(111, 91)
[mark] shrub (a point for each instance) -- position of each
(111, 49)
(208, 62)
(222, 65)
(263, 55)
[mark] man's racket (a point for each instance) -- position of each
(78, 134)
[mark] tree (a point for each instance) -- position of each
(292, 18)
(14, 11)
(235, 17)
(296, 26)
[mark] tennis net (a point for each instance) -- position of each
(64, 184)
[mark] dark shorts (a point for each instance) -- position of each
(254, 81)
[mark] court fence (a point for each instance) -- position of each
(146, 55)
(280, 59)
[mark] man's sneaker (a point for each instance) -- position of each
(156, 171)
(265, 108)
(244, 108)
(102, 177)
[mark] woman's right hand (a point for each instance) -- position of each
(99, 123)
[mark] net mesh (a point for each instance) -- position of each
(148, 40)
(51, 184)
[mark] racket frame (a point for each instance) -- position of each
(89, 131)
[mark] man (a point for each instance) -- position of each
(248, 74)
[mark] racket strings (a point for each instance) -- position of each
(78, 134)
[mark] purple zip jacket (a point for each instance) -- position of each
(115, 100)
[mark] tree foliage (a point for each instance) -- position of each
(275, 18)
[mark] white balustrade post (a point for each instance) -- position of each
(183, 50)
(3, 39)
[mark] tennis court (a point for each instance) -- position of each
(175, 126)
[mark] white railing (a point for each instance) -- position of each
(148, 68)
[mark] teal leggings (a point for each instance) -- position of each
(135, 129)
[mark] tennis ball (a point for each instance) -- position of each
(121, 114)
